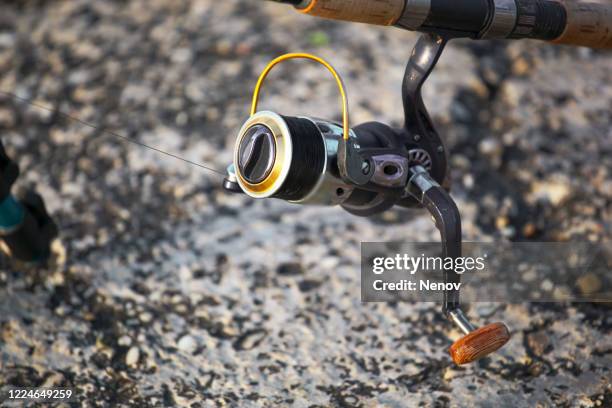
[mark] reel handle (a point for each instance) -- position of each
(477, 343)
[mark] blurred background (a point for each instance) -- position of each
(174, 293)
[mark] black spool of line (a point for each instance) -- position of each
(308, 161)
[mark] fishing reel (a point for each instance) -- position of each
(366, 169)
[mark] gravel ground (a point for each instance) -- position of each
(174, 293)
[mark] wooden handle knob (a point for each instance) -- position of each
(479, 343)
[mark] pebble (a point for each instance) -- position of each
(555, 192)
(187, 344)
(529, 276)
(520, 66)
(490, 146)
(589, 284)
(538, 342)
(290, 269)
(7, 119)
(250, 339)
(132, 356)
(529, 230)
(547, 285)
(124, 341)
(145, 317)
(501, 222)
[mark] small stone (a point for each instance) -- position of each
(555, 192)
(529, 230)
(308, 284)
(250, 339)
(187, 344)
(450, 373)
(536, 369)
(58, 252)
(468, 181)
(181, 56)
(224, 47)
(145, 317)
(132, 356)
(124, 341)
(490, 147)
(290, 269)
(530, 275)
(501, 222)
(588, 284)
(390, 216)
(520, 66)
(329, 262)
(562, 294)
(7, 118)
(547, 285)
(54, 380)
(539, 343)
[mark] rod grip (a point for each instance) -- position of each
(379, 12)
(589, 23)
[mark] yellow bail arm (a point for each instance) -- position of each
(264, 74)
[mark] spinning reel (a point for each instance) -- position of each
(366, 170)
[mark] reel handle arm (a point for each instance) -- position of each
(443, 209)
(477, 342)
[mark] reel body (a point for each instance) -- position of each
(297, 159)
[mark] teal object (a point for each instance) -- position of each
(11, 214)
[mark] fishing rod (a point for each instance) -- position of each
(372, 167)
(575, 22)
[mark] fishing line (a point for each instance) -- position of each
(109, 132)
